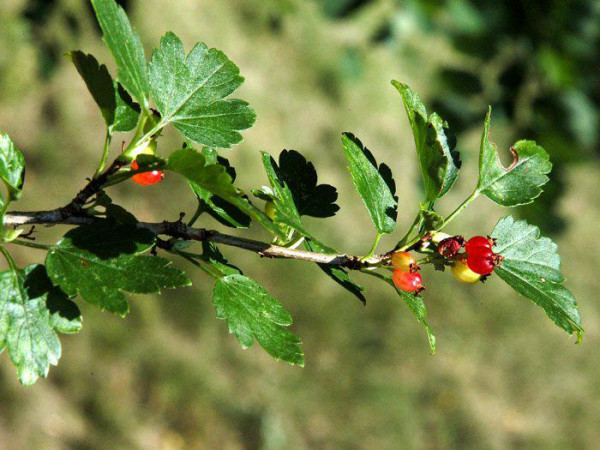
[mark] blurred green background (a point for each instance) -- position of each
(170, 377)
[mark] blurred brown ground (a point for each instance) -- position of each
(170, 377)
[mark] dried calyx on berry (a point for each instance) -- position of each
(451, 246)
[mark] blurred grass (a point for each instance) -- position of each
(170, 377)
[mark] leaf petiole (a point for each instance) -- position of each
(413, 228)
(373, 248)
(105, 151)
(30, 244)
(206, 268)
(460, 209)
(8, 257)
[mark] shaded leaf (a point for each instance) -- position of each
(65, 315)
(126, 47)
(190, 92)
(252, 314)
(116, 105)
(310, 198)
(374, 184)
(285, 208)
(531, 266)
(522, 181)
(438, 161)
(99, 261)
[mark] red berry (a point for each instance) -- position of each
(407, 281)
(478, 241)
(146, 178)
(481, 260)
(404, 261)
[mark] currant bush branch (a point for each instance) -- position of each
(179, 230)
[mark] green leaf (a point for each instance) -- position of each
(12, 167)
(26, 327)
(214, 178)
(252, 314)
(519, 183)
(417, 307)
(375, 185)
(212, 255)
(99, 261)
(190, 90)
(337, 274)
(285, 208)
(221, 210)
(126, 47)
(310, 198)
(531, 266)
(192, 165)
(118, 109)
(438, 161)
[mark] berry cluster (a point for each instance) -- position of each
(479, 260)
(406, 276)
(476, 263)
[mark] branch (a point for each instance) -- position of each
(74, 214)
(180, 230)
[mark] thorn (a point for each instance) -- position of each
(28, 235)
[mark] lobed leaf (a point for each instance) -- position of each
(31, 311)
(190, 92)
(252, 314)
(310, 198)
(99, 261)
(192, 165)
(286, 211)
(119, 111)
(438, 161)
(126, 47)
(522, 181)
(531, 266)
(374, 184)
(12, 167)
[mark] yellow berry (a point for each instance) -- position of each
(462, 273)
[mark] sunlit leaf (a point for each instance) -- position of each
(531, 266)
